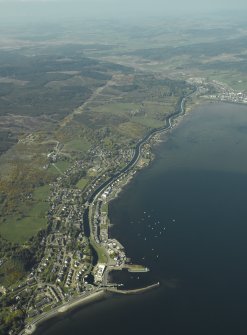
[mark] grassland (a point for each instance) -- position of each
(19, 231)
(78, 144)
(235, 80)
(105, 208)
(41, 193)
(20, 227)
(118, 108)
(102, 255)
(146, 114)
(82, 183)
(59, 167)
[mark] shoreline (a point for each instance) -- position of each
(70, 306)
(172, 122)
(81, 301)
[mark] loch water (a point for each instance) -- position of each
(185, 217)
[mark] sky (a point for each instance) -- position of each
(51, 9)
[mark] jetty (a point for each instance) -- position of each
(131, 268)
(134, 291)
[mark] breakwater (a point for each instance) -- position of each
(135, 291)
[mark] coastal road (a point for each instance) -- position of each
(31, 327)
(137, 152)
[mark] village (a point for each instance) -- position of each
(78, 255)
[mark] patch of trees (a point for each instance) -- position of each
(240, 66)
(73, 178)
(127, 88)
(25, 68)
(168, 87)
(35, 97)
(5, 88)
(39, 101)
(7, 249)
(96, 120)
(208, 49)
(117, 67)
(7, 139)
(20, 259)
(11, 320)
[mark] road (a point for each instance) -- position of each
(60, 309)
(137, 152)
(81, 108)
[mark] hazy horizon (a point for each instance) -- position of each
(44, 10)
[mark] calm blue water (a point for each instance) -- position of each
(185, 217)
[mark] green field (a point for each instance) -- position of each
(148, 121)
(132, 129)
(235, 80)
(20, 231)
(62, 165)
(149, 114)
(102, 258)
(41, 193)
(58, 167)
(82, 183)
(19, 228)
(105, 207)
(118, 108)
(77, 144)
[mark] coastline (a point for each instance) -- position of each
(80, 301)
(173, 121)
(152, 138)
(113, 305)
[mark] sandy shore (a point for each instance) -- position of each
(83, 300)
(31, 328)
